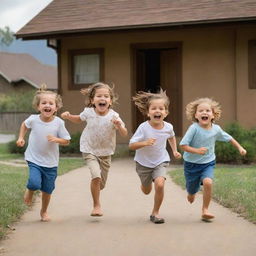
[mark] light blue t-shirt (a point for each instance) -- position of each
(198, 137)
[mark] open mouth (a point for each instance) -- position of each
(48, 110)
(158, 117)
(205, 118)
(102, 104)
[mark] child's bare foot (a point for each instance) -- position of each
(206, 215)
(44, 216)
(191, 198)
(28, 196)
(96, 212)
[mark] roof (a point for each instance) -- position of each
(15, 67)
(69, 16)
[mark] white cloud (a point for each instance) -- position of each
(16, 13)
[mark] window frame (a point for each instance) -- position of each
(251, 64)
(71, 55)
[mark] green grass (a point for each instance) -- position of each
(234, 188)
(13, 182)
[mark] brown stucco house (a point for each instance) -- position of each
(191, 48)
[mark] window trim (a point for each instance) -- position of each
(72, 54)
(251, 64)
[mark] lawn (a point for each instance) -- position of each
(12, 184)
(234, 187)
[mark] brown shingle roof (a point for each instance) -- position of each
(69, 16)
(15, 67)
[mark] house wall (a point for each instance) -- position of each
(209, 69)
(6, 87)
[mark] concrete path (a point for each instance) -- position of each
(5, 138)
(125, 229)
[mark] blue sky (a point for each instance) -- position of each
(16, 13)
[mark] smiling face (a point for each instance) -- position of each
(204, 115)
(157, 112)
(102, 101)
(47, 106)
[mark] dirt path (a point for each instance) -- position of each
(124, 229)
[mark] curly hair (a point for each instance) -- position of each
(43, 90)
(143, 100)
(90, 92)
(191, 108)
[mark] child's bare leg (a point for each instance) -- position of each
(159, 195)
(28, 196)
(146, 190)
(191, 198)
(45, 202)
(207, 194)
(95, 190)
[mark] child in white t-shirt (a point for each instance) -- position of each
(42, 153)
(98, 139)
(149, 141)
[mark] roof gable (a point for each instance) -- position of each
(69, 16)
(15, 67)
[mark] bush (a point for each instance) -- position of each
(19, 101)
(226, 153)
(74, 145)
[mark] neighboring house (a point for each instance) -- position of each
(191, 48)
(22, 72)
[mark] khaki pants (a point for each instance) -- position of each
(98, 166)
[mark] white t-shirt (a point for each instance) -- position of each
(40, 151)
(99, 135)
(151, 156)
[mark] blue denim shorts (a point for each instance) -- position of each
(196, 173)
(41, 178)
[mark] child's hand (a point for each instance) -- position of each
(202, 151)
(117, 123)
(177, 155)
(20, 142)
(52, 138)
(150, 142)
(65, 115)
(242, 151)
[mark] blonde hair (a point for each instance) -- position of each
(43, 90)
(143, 100)
(90, 92)
(191, 108)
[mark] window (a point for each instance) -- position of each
(252, 64)
(85, 67)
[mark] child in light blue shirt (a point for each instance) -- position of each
(198, 145)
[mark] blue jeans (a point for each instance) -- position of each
(41, 178)
(196, 173)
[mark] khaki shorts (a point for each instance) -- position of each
(148, 175)
(99, 167)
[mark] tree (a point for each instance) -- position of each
(6, 36)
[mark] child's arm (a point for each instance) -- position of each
(73, 118)
(241, 150)
(199, 151)
(118, 125)
(60, 141)
(141, 144)
(173, 144)
(23, 130)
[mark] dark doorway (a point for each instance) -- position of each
(158, 66)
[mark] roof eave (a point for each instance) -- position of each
(59, 33)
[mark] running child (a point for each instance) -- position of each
(198, 145)
(149, 141)
(98, 139)
(42, 154)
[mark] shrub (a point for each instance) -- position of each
(226, 153)
(74, 145)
